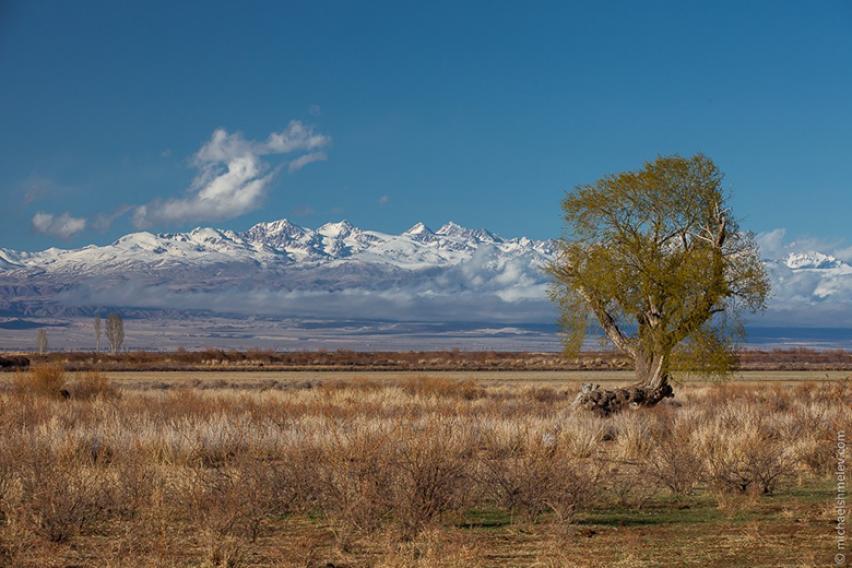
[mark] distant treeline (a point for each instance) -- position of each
(213, 359)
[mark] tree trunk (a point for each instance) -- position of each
(652, 386)
(651, 370)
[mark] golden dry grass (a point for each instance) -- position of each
(419, 471)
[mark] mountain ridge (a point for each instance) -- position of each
(341, 270)
(282, 240)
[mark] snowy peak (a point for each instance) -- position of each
(339, 230)
(8, 259)
(455, 230)
(278, 243)
(275, 231)
(812, 261)
(418, 229)
(278, 235)
(420, 233)
(141, 241)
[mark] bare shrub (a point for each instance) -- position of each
(354, 476)
(630, 486)
(231, 504)
(745, 459)
(443, 388)
(673, 461)
(41, 380)
(58, 501)
(545, 395)
(93, 384)
(536, 478)
(431, 467)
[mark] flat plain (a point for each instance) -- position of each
(227, 468)
(251, 379)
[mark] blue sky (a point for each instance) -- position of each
(483, 113)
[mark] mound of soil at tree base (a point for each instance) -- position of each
(605, 402)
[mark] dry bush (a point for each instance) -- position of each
(354, 476)
(442, 388)
(431, 471)
(630, 485)
(47, 379)
(231, 504)
(58, 501)
(373, 479)
(546, 395)
(742, 453)
(634, 434)
(672, 461)
(92, 384)
(536, 478)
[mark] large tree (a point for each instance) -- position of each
(656, 257)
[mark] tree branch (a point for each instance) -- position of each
(609, 325)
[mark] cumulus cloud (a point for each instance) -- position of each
(62, 225)
(233, 177)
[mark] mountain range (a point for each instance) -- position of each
(341, 271)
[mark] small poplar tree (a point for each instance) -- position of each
(115, 332)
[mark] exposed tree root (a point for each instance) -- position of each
(605, 402)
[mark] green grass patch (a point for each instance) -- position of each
(485, 519)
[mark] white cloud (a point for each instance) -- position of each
(775, 244)
(306, 159)
(40, 188)
(63, 225)
(771, 243)
(384, 200)
(232, 178)
(103, 221)
(844, 253)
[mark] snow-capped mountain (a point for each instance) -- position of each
(813, 261)
(810, 288)
(342, 271)
(274, 266)
(273, 245)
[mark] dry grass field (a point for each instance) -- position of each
(393, 469)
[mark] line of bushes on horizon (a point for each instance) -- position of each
(778, 359)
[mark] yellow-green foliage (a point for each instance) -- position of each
(658, 250)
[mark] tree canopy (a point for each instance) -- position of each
(657, 258)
